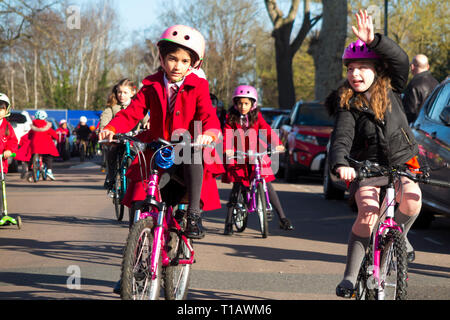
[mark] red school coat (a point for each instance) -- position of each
(234, 135)
(41, 138)
(193, 103)
(7, 142)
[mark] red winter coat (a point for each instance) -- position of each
(8, 141)
(41, 138)
(193, 103)
(234, 136)
(24, 152)
(62, 134)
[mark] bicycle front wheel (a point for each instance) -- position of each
(262, 210)
(136, 277)
(239, 211)
(393, 267)
(177, 275)
(117, 199)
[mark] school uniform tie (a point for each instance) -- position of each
(173, 97)
(169, 116)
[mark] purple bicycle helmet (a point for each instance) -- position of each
(246, 91)
(358, 51)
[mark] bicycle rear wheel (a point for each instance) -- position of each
(239, 211)
(177, 276)
(394, 266)
(262, 210)
(136, 277)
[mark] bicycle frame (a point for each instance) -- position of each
(163, 221)
(254, 182)
(388, 223)
(123, 169)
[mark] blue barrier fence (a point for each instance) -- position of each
(72, 116)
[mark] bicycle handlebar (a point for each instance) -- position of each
(367, 169)
(241, 154)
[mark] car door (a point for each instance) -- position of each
(432, 132)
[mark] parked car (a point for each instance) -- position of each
(305, 136)
(269, 114)
(21, 123)
(432, 132)
(279, 121)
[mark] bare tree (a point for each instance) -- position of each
(285, 49)
(327, 47)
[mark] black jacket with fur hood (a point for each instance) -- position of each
(362, 137)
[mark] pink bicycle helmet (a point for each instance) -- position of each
(187, 37)
(358, 51)
(246, 91)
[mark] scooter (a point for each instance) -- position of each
(5, 219)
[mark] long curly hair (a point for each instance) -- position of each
(379, 101)
(234, 116)
(112, 98)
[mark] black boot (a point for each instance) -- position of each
(285, 224)
(228, 229)
(194, 228)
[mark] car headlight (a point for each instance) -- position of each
(306, 138)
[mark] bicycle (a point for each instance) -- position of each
(5, 218)
(121, 182)
(38, 168)
(157, 248)
(384, 270)
(254, 198)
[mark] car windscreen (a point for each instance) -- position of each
(313, 115)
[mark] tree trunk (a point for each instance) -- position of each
(35, 79)
(327, 48)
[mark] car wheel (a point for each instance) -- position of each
(329, 191)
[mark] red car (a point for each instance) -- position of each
(305, 137)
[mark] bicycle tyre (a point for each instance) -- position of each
(261, 209)
(394, 266)
(82, 151)
(239, 211)
(35, 167)
(117, 197)
(136, 282)
(177, 276)
(364, 283)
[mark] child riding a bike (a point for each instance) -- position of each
(63, 134)
(42, 138)
(371, 125)
(179, 104)
(242, 121)
(8, 139)
(119, 99)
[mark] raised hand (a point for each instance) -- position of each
(364, 31)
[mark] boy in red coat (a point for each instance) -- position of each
(8, 139)
(245, 119)
(41, 138)
(176, 98)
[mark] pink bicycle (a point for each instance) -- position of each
(157, 251)
(384, 270)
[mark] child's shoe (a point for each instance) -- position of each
(194, 227)
(228, 229)
(285, 224)
(50, 174)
